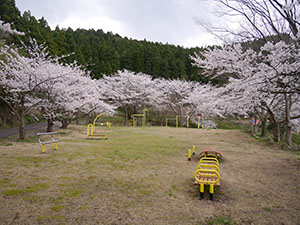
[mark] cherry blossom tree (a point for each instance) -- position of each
(21, 79)
(72, 96)
(207, 101)
(6, 28)
(171, 96)
(128, 91)
(273, 73)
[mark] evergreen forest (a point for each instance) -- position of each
(104, 53)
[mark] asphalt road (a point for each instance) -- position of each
(31, 127)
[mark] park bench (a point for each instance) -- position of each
(47, 138)
(208, 172)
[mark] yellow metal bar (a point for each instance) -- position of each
(90, 130)
(188, 122)
(211, 188)
(194, 149)
(201, 188)
(144, 121)
(198, 122)
(43, 148)
(189, 155)
(108, 124)
(204, 159)
(55, 146)
(143, 115)
(208, 166)
(102, 114)
(209, 162)
(207, 173)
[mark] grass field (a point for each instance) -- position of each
(142, 176)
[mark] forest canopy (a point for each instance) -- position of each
(104, 53)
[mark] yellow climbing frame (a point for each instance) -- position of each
(143, 115)
(176, 118)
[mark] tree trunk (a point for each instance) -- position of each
(65, 123)
(50, 125)
(264, 127)
(288, 133)
(126, 117)
(277, 137)
(22, 127)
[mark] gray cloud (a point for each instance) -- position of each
(168, 21)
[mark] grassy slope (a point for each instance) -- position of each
(141, 175)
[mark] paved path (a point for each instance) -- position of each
(15, 130)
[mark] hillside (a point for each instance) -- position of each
(104, 53)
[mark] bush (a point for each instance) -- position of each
(296, 139)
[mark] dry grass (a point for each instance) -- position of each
(142, 176)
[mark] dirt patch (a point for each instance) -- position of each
(142, 175)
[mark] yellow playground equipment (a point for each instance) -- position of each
(199, 123)
(177, 121)
(47, 138)
(168, 119)
(91, 128)
(143, 116)
(208, 172)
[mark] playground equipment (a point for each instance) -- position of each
(177, 121)
(199, 118)
(91, 128)
(208, 172)
(143, 116)
(107, 124)
(168, 119)
(190, 153)
(211, 153)
(44, 139)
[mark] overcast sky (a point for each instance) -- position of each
(166, 21)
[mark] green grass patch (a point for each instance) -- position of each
(28, 139)
(34, 188)
(219, 220)
(31, 159)
(37, 187)
(13, 192)
(57, 207)
(145, 192)
(296, 138)
(73, 193)
(4, 181)
(229, 125)
(33, 199)
(5, 143)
